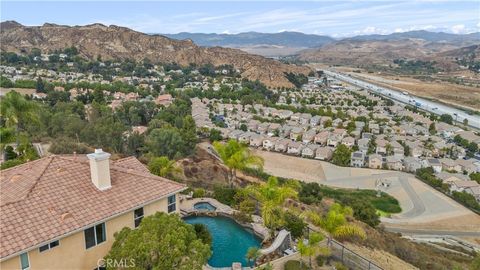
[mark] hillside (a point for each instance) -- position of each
(114, 42)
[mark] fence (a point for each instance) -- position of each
(350, 258)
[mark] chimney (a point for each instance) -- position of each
(100, 169)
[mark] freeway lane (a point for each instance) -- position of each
(424, 104)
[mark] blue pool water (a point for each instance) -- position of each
(230, 241)
(204, 206)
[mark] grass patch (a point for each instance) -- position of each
(384, 202)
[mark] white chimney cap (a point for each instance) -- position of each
(99, 155)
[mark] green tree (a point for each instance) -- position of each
(40, 85)
(203, 233)
(237, 156)
(341, 155)
(215, 135)
(162, 241)
(447, 118)
(165, 142)
(252, 254)
(432, 129)
(16, 112)
(162, 166)
(10, 153)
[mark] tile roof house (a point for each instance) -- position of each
(269, 143)
(412, 164)
(310, 150)
(375, 161)
(324, 153)
(475, 191)
(394, 163)
(294, 148)
(59, 201)
(282, 145)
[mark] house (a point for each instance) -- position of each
(324, 153)
(273, 128)
(461, 186)
(74, 205)
(309, 136)
(334, 139)
(322, 137)
(305, 118)
(294, 148)
(310, 150)
(374, 128)
(263, 128)
(296, 133)
(348, 141)
(450, 165)
(357, 159)
(397, 148)
(252, 125)
(269, 143)
(315, 120)
(466, 165)
(281, 145)
(235, 134)
(412, 164)
(375, 161)
(164, 100)
(381, 146)
(363, 145)
(394, 163)
(256, 140)
(449, 178)
(245, 137)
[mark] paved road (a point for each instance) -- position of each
(424, 104)
(418, 206)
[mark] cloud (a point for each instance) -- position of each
(458, 29)
(369, 30)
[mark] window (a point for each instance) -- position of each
(95, 235)
(24, 262)
(48, 246)
(172, 203)
(138, 216)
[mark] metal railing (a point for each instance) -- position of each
(349, 258)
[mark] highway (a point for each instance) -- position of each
(405, 98)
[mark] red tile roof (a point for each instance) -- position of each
(47, 198)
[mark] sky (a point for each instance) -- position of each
(333, 18)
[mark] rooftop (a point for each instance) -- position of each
(46, 199)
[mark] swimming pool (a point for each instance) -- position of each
(204, 206)
(230, 241)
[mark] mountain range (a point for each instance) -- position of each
(115, 42)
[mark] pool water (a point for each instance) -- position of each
(204, 206)
(230, 241)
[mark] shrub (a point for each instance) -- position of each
(294, 224)
(225, 195)
(340, 266)
(320, 259)
(11, 163)
(67, 146)
(295, 265)
(198, 193)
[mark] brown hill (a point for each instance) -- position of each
(114, 42)
(364, 53)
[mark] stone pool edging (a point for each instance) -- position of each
(222, 210)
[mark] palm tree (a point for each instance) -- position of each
(271, 195)
(252, 254)
(162, 166)
(308, 248)
(335, 222)
(236, 156)
(15, 110)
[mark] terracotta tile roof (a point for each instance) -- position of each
(45, 199)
